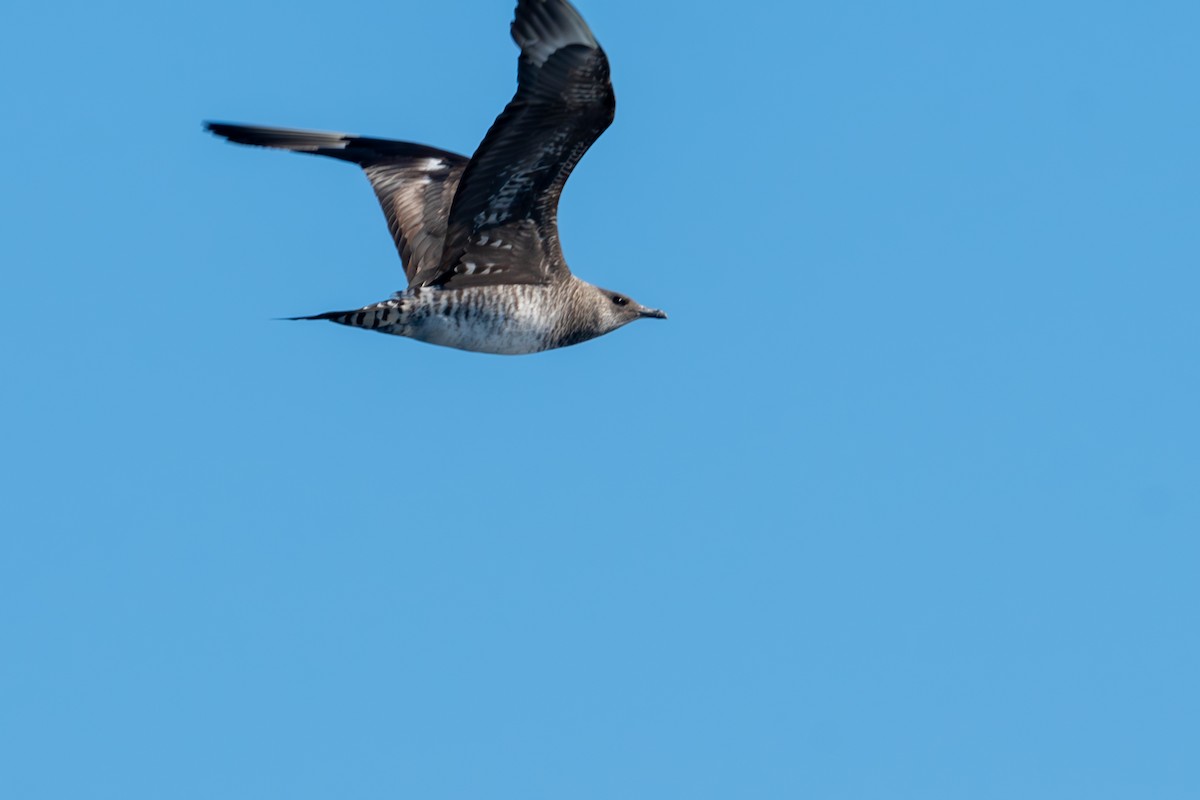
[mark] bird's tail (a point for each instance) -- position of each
(362, 150)
(377, 316)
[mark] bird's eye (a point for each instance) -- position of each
(621, 301)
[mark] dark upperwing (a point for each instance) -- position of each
(503, 225)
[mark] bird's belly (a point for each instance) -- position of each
(504, 331)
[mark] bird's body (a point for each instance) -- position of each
(479, 237)
(505, 320)
(512, 321)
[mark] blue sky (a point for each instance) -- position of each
(901, 502)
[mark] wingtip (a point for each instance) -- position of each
(222, 129)
(540, 27)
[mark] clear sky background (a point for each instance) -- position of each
(901, 502)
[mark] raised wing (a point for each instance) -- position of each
(509, 191)
(415, 183)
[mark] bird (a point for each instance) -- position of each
(478, 237)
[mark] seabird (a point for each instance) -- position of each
(478, 237)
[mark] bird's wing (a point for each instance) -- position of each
(416, 196)
(415, 183)
(503, 225)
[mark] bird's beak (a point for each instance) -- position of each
(653, 312)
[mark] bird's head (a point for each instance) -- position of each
(617, 309)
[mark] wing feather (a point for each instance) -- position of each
(511, 186)
(415, 183)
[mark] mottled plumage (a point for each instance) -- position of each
(478, 237)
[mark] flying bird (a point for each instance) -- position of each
(478, 237)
